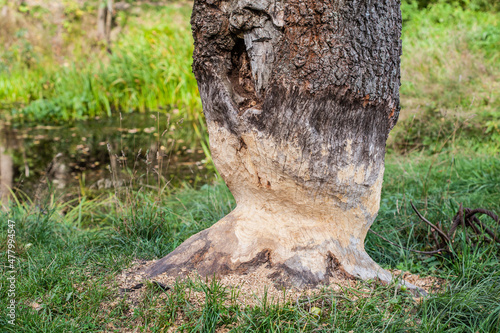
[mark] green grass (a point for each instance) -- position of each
(450, 70)
(450, 79)
(149, 70)
(69, 255)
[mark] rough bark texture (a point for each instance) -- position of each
(299, 97)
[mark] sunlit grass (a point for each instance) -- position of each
(150, 69)
(69, 256)
(451, 59)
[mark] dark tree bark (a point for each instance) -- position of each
(299, 98)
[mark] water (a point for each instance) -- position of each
(139, 151)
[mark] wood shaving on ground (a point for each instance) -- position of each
(248, 290)
(252, 287)
(430, 284)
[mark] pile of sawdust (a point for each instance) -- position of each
(252, 288)
(246, 290)
(430, 284)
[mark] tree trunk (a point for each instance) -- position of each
(299, 98)
(6, 172)
(104, 22)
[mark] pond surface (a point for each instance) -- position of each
(137, 150)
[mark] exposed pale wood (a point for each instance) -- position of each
(299, 98)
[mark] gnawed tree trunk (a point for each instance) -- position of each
(299, 98)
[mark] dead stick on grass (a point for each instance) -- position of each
(443, 236)
(465, 217)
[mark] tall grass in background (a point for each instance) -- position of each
(450, 74)
(451, 57)
(450, 78)
(150, 69)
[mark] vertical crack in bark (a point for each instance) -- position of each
(243, 146)
(259, 180)
(259, 24)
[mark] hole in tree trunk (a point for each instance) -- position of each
(335, 267)
(241, 79)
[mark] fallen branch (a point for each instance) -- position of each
(439, 231)
(465, 217)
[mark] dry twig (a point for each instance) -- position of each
(465, 217)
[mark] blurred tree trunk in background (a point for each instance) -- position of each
(104, 22)
(6, 171)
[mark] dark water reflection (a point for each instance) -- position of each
(139, 151)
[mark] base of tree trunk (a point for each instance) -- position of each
(242, 242)
(249, 237)
(304, 232)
